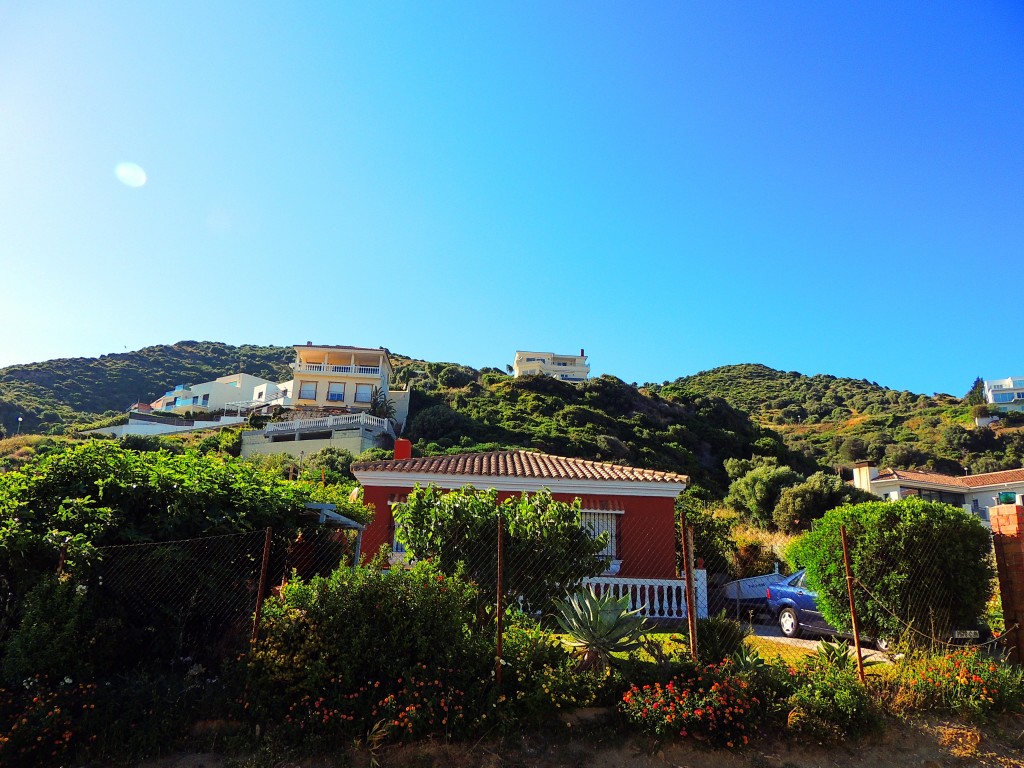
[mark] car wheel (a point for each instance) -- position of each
(788, 623)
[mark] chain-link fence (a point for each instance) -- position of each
(198, 599)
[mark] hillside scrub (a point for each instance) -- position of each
(603, 419)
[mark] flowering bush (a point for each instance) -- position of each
(408, 707)
(966, 682)
(39, 720)
(712, 705)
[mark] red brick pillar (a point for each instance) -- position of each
(1008, 535)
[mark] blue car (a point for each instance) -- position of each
(796, 608)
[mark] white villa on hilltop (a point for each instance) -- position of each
(1006, 394)
(572, 368)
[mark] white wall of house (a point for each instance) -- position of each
(254, 443)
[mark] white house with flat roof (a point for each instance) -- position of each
(570, 368)
(210, 395)
(1006, 394)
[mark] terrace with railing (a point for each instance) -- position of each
(356, 370)
(351, 421)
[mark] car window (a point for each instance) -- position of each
(797, 581)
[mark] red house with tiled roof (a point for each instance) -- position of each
(975, 493)
(635, 506)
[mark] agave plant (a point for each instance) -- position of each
(747, 661)
(599, 626)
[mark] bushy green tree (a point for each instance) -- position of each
(711, 534)
(976, 394)
(756, 493)
(332, 465)
(916, 562)
(547, 550)
(805, 502)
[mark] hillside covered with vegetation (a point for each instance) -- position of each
(54, 394)
(691, 425)
(837, 421)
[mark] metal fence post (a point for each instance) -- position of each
(853, 609)
(262, 587)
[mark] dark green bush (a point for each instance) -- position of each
(920, 563)
(358, 634)
(830, 704)
(58, 635)
(719, 638)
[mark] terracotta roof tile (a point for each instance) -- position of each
(957, 481)
(519, 464)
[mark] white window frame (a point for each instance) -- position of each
(330, 395)
(302, 388)
(369, 393)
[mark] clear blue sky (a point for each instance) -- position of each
(673, 186)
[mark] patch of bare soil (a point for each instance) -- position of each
(928, 743)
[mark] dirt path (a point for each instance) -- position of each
(927, 744)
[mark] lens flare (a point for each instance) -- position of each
(130, 174)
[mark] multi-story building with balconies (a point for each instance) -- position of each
(1006, 394)
(337, 377)
(571, 368)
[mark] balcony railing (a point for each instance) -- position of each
(359, 370)
(659, 599)
(325, 423)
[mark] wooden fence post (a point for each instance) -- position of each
(262, 587)
(853, 609)
(500, 605)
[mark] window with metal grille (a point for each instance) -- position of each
(603, 522)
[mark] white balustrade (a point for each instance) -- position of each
(362, 370)
(325, 423)
(659, 599)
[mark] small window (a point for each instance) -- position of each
(307, 390)
(363, 393)
(601, 522)
(336, 391)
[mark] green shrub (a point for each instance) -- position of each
(829, 703)
(718, 638)
(54, 636)
(920, 563)
(358, 634)
(539, 676)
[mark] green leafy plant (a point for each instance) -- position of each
(358, 636)
(747, 661)
(719, 637)
(600, 625)
(829, 703)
